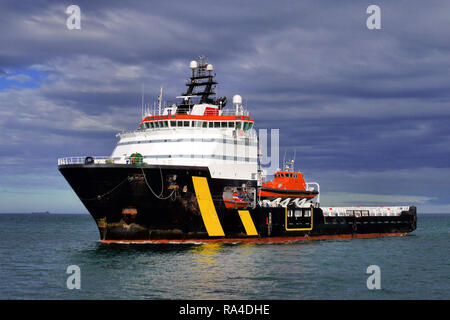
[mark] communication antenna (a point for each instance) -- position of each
(160, 100)
(293, 161)
(142, 103)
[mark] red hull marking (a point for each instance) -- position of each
(261, 240)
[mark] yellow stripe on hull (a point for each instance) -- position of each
(248, 223)
(207, 209)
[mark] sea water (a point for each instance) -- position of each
(37, 250)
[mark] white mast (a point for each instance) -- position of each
(160, 100)
(142, 103)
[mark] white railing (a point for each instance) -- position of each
(310, 186)
(82, 160)
(361, 211)
(232, 112)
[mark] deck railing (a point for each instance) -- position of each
(84, 160)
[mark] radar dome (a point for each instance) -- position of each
(210, 67)
(237, 100)
(193, 65)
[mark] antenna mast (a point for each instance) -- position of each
(142, 103)
(160, 99)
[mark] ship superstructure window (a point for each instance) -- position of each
(238, 125)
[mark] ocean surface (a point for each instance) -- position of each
(36, 250)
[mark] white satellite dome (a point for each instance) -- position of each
(237, 100)
(210, 67)
(193, 65)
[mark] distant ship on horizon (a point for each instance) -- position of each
(41, 213)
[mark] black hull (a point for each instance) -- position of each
(106, 190)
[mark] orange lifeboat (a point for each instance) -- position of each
(236, 202)
(286, 184)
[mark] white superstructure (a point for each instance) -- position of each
(227, 145)
(201, 134)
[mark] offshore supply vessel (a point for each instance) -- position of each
(190, 172)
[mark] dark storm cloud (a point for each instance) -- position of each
(347, 98)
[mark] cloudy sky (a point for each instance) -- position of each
(367, 110)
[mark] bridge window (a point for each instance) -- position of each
(230, 124)
(216, 124)
(211, 124)
(223, 125)
(179, 123)
(245, 126)
(205, 124)
(185, 123)
(173, 123)
(238, 125)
